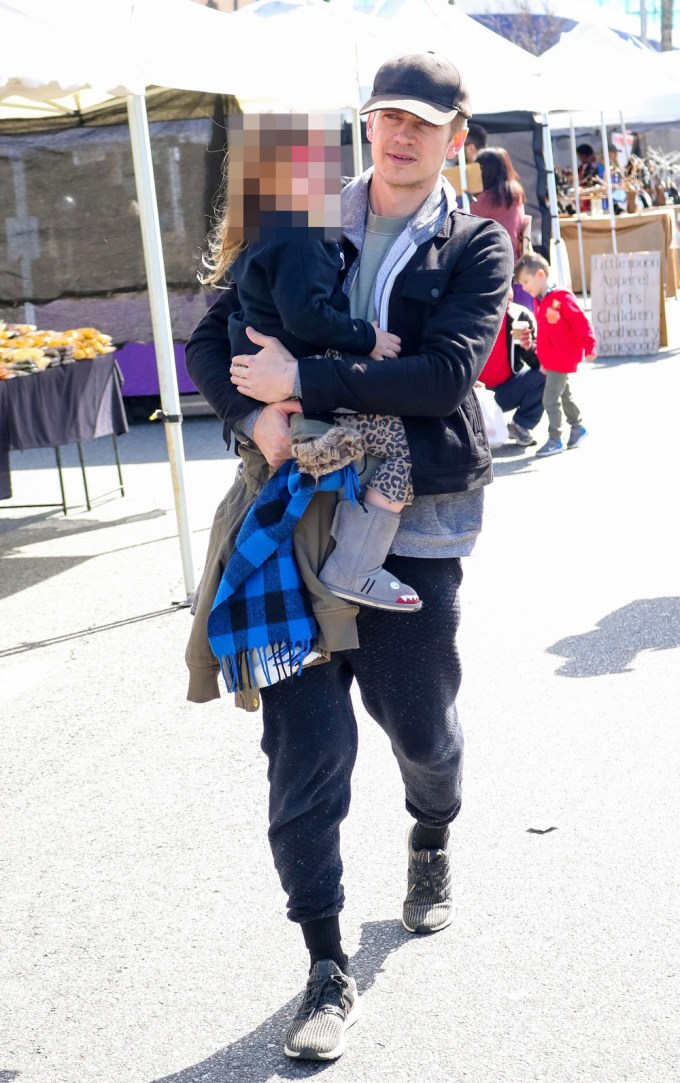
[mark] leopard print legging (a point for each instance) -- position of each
(385, 438)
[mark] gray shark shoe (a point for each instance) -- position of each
(363, 536)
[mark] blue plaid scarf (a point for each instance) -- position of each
(262, 612)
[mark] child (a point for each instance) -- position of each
(564, 336)
(274, 243)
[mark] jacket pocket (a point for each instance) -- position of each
(427, 286)
(472, 412)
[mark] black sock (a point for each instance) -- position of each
(430, 838)
(322, 937)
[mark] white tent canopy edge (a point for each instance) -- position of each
(46, 70)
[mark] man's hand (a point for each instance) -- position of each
(271, 432)
(591, 356)
(525, 341)
(269, 375)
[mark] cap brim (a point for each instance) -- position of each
(409, 105)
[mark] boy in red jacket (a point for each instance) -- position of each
(564, 336)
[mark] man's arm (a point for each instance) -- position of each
(208, 356)
(456, 342)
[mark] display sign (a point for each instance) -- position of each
(473, 177)
(625, 295)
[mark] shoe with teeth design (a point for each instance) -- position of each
(363, 536)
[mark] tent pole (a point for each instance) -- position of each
(160, 318)
(357, 149)
(577, 197)
(463, 179)
(608, 179)
(555, 234)
(624, 132)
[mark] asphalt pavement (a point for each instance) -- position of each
(143, 934)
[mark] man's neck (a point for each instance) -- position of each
(393, 202)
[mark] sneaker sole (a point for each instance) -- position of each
(570, 447)
(424, 932)
(332, 1054)
(548, 454)
(362, 599)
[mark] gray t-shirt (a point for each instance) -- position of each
(381, 233)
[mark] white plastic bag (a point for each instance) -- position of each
(496, 429)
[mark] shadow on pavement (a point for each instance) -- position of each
(631, 359)
(23, 572)
(511, 459)
(41, 528)
(34, 645)
(647, 624)
(258, 1057)
(7, 1077)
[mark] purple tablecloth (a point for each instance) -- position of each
(137, 363)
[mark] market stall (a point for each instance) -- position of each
(651, 230)
(64, 403)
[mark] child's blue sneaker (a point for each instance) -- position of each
(553, 447)
(577, 435)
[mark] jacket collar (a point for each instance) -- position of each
(427, 221)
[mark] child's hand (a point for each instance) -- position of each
(591, 356)
(386, 345)
(544, 371)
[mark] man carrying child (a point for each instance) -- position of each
(439, 283)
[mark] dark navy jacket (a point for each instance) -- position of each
(292, 290)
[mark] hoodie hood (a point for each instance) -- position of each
(424, 224)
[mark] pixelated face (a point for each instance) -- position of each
(284, 162)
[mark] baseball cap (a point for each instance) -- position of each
(421, 83)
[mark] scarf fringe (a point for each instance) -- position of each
(274, 663)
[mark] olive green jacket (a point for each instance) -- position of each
(312, 543)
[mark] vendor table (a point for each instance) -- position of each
(66, 404)
(652, 230)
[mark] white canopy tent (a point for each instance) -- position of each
(80, 56)
(625, 85)
(622, 78)
(500, 76)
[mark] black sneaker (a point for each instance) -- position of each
(428, 906)
(520, 435)
(330, 1006)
